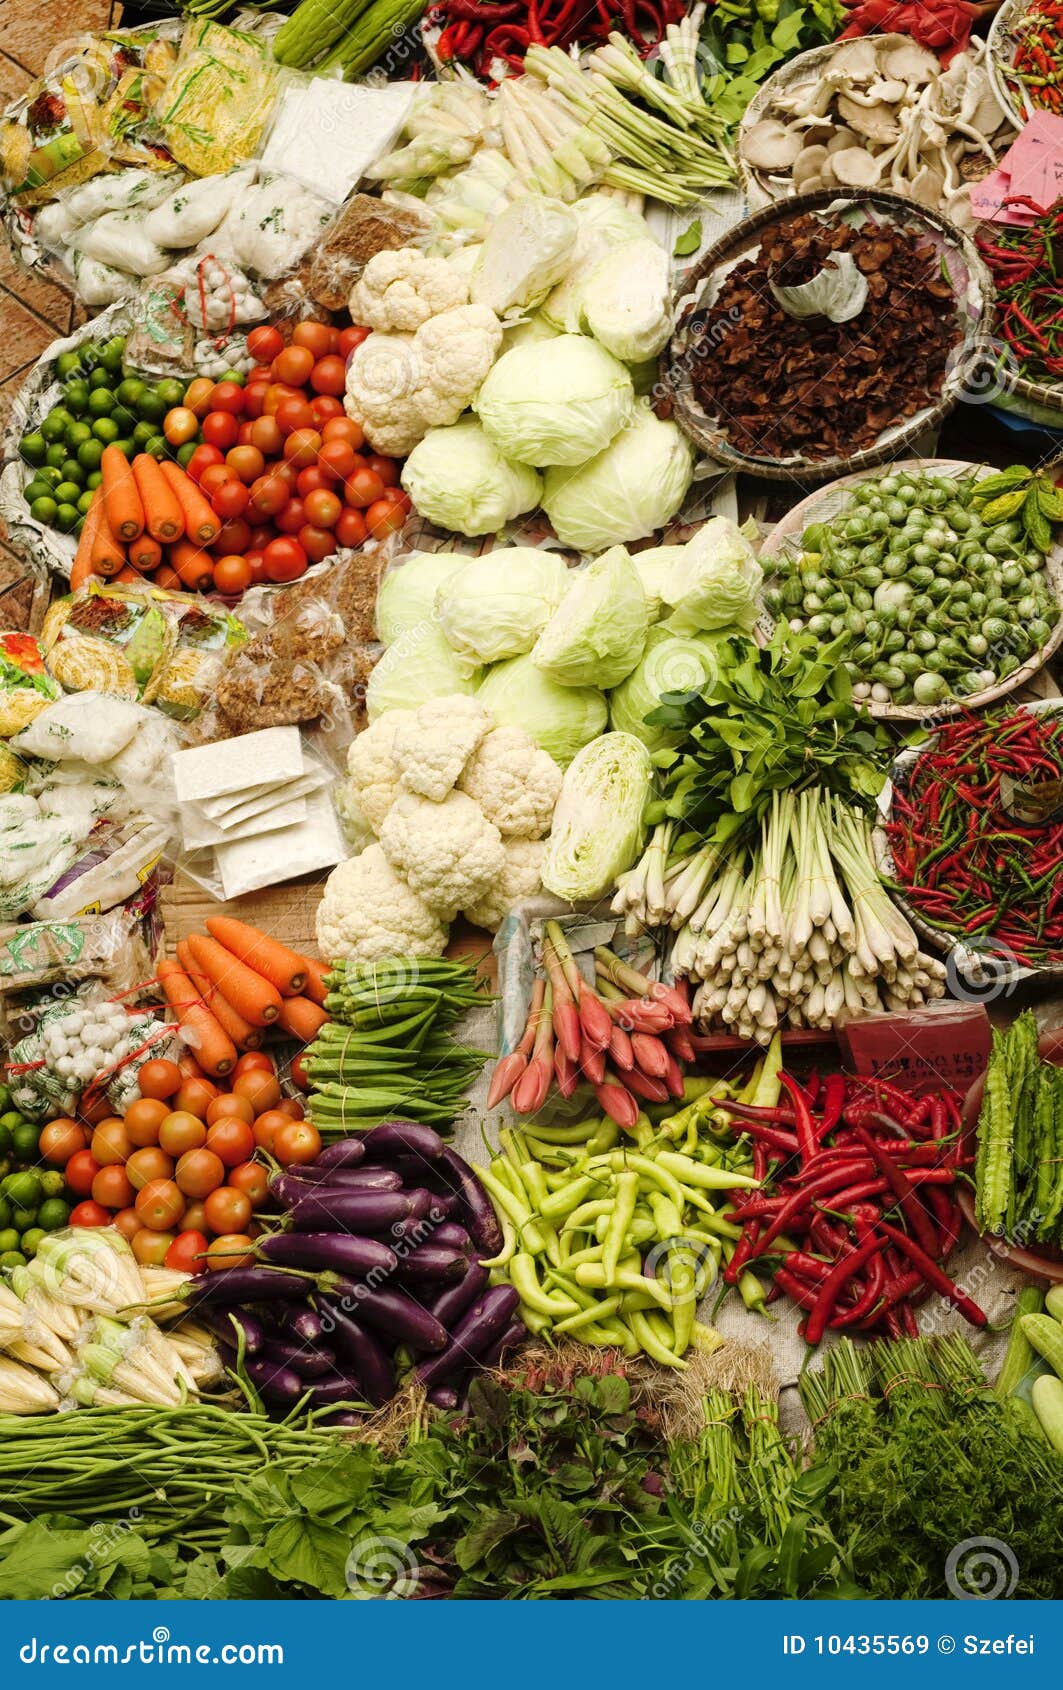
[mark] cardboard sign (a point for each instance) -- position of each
(943, 1042)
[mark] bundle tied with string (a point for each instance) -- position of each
(83, 1049)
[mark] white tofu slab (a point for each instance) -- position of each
(265, 802)
(327, 133)
(216, 809)
(198, 832)
(246, 865)
(233, 765)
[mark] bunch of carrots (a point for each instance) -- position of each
(147, 518)
(231, 985)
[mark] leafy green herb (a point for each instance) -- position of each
(689, 241)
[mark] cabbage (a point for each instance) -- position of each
(495, 606)
(598, 830)
(604, 222)
(635, 486)
(597, 633)
(654, 566)
(525, 253)
(559, 719)
(459, 479)
(530, 332)
(627, 301)
(419, 666)
(407, 594)
(555, 401)
(670, 663)
(715, 581)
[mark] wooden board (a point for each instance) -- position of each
(286, 912)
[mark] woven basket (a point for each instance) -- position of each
(827, 501)
(1001, 42)
(973, 290)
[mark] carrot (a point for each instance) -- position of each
(125, 511)
(195, 569)
(275, 962)
(108, 557)
(128, 575)
(243, 1035)
(214, 1049)
(82, 565)
(201, 524)
(315, 987)
(163, 518)
(256, 1000)
(81, 570)
(145, 554)
(167, 578)
(301, 1017)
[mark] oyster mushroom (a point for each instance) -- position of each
(888, 88)
(855, 167)
(808, 163)
(771, 145)
(859, 58)
(927, 185)
(875, 121)
(910, 63)
(841, 139)
(808, 99)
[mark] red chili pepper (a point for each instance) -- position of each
(838, 1277)
(909, 1204)
(803, 1124)
(935, 1275)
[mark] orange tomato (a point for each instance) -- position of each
(199, 1172)
(295, 1143)
(251, 1060)
(293, 365)
(144, 1118)
(111, 1143)
(150, 1247)
(227, 1210)
(159, 1078)
(197, 395)
(127, 1222)
(229, 1106)
(113, 1186)
(160, 1204)
(194, 1097)
(181, 1131)
(146, 1165)
(180, 425)
(233, 1141)
(62, 1139)
(252, 1179)
(232, 1249)
(267, 1125)
(318, 338)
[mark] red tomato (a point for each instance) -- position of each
(215, 476)
(233, 537)
(159, 1078)
(363, 488)
(292, 1107)
(344, 428)
(254, 399)
(350, 530)
(231, 498)
(197, 395)
(253, 1180)
(288, 473)
(296, 1143)
(266, 1125)
(227, 1210)
(284, 559)
(227, 396)
(184, 1253)
(89, 1214)
(386, 468)
(233, 575)
(261, 537)
(194, 1096)
(251, 1060)
(181, 1131)
(384, 517)
(292, 414)
(246, 461)
(62, 1139)
(127, 1222)
(276, 393)
(302, 446)
(220, 429)
(293, 365)
(114, 1187)
(317, 543)
(269, 494)
(349, 339)
(261, 1088)
(151, 1248)
(264, 344)
(310, 480)
(298, 1074)
(266, 435)
(256, 566)
(233, 1141)
(243, 437)
(316, 337)
(143, 1166)
(160, 1204)
(232, 1249)
(199, 1172)
(323, 509)
(337, 459)
(201, 459)
(80, 1172)
(324, 409)
(328, 376)
(229, 1107)
(291, 518)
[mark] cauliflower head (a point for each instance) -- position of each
(401, 289)
(448, 853)
(520, 878)
(514, 782)
(434, 743)
(454, 351)
(368, 912)
(374, 776)
(382, 381)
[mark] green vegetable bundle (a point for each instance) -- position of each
(1019, 1166)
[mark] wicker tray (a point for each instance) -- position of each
(827, 501)
(973, 288)
(1001, 42)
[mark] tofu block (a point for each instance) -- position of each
(267, 859)
(233, 765)
(198, 832)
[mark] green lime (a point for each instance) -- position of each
(76, 394)
(50, 474)
(99, 378)
(85, 501)
(71, 470)
(77, 434)
(150, 408)
(31, 1240)
(125, 418)
(130, 390)
(111, 355)
(184, 453)
(33, 447)
(56, 423)
(91, 451)
(44, 510)
(66, 364)
(5, 1139)
(36, 489)
(144, 432)
(101, 402)
(5, 1100)
(68, 492)
(12, 1259)
(53, 1214)
(127, 448)
(52, 1182)
(23, 1190)
(11, 1118)
(105, 429)
(66, 518)
(156, 447)
(9, 1240)
(56, 455)
(94, 480)
(236, 376)
(25, 1140)
(171, 392)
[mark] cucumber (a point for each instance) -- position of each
(1020, 1354)
(1047, 1396)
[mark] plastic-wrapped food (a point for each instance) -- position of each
(125, 190)
(273, 227)
(89, 727)
(215, 294)
(85, 1042)
(116, 860)
(194, 209)
(39, 955)
(362, 228)
(99, 284)
(118, 239)
(214, 107)
(25, 685)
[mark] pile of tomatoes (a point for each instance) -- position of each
(281, 462)
(178, 1174)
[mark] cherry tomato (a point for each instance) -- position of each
(80, 1172)
(329, 376)
(231, 498)
(127, 1222)
(228, 396)
(350, 530)
(297, 1073)
(266, 1126)
(349, 339)
(276, 393)
(264, 344)
(254, 399)
(284, 559)
(260, 1088)
(151, 1248)
(214, 476)
(316, 337)
(325, 409)
(386, 468)
(336, 458)
(287, 472)
(291, 518)
(269, 494)
(195, 1216)
(180, 425)
(266, 435)
(228, 1210)
(111, 1142)
(160, 1204)
(144, 1118)
(261, 536)
(252, 1060)
(293, 365)
(243, 434)
(180, 1132)
(247, 462)
(257, 567)
(146, 1165)
(384, 517)
(253, 1180)
(199, 1172)
(302, 446)
(197, 395)
(194, 1098)
(233, 575)
(89, 1214)
(310, 480)
(232, 1249)
(296, 1143)
(363, 488)
(345, 428)
(232, 1139)
(233, 537)
(159, 1078)
(202, 458)
(220, 429)
(184, 1253)
(113, 1186)
(62, 1139)
(323, 509)
(317, 543)
(293, 1107)
(292, 414)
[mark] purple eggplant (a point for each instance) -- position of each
(432, 1262)
(478, 1213)
(344, 1153)
(279, 1383)
(245, 1285)
(288, 1188)
(339, 1389)
(328, 1210)
(308, 1363)
(362, 1354)
(420, 1202)
(456, 1298)
(401, 1138)
(443, 1396)
(487, 1319)
(343, 1417)
(453, 1237)
(304, 1325)
(396, 1315)
(225, 1323)
(327, 1250)
(516, 1333)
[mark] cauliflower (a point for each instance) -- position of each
(367, 913)
(373, 785)
(403, 288)
(515, 783)
(381, 380)
(400, 385)
(433, 744)
(449, 853)
(521, 877)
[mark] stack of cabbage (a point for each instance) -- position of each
(582, 293)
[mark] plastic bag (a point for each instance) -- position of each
(58, 956)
